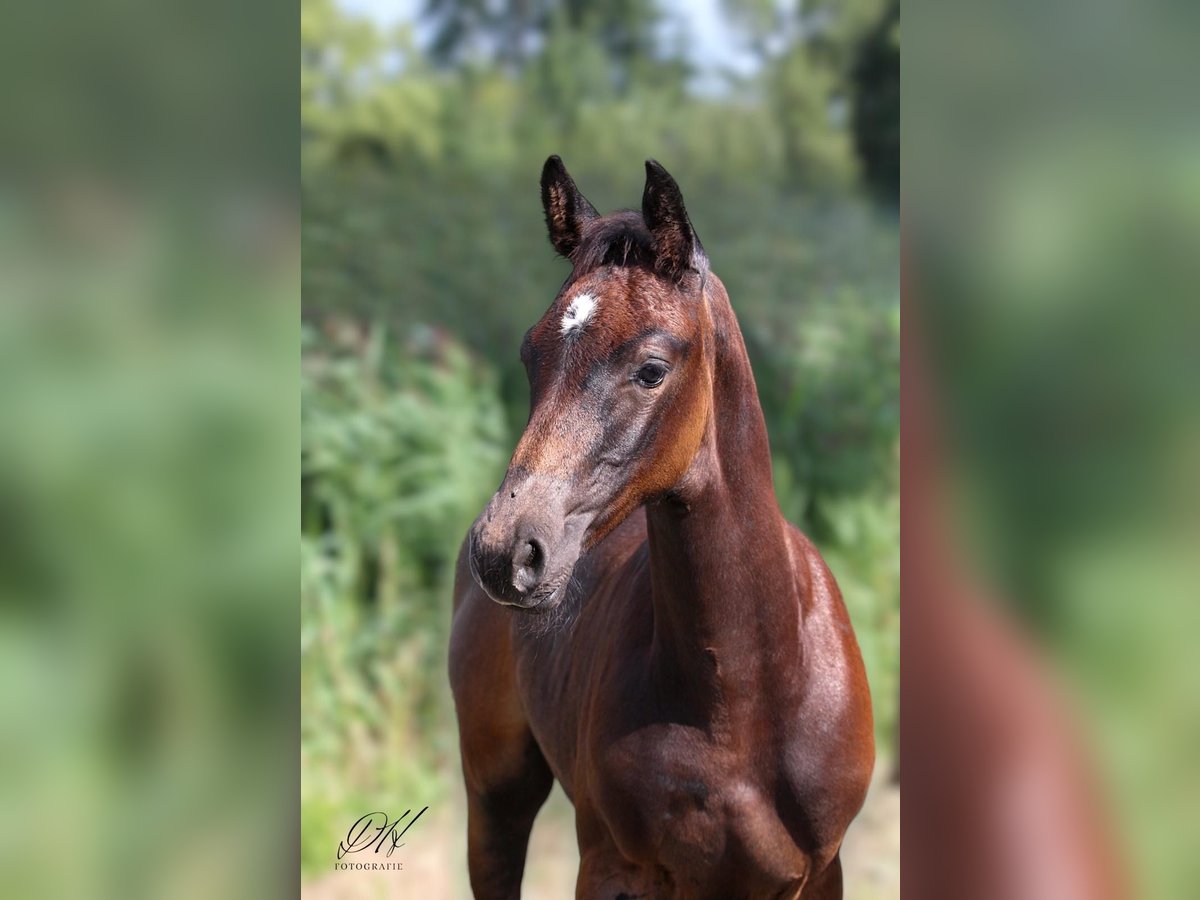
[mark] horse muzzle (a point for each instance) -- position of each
(523, 548)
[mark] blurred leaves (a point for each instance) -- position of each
(141, 492)
(399, 448)
(600, 83)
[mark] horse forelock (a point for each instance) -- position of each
(619, 239)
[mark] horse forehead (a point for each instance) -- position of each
(612, 306)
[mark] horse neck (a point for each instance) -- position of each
(723, 576)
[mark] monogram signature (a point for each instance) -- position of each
(376, 830)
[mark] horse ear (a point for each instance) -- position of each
(566, 208)
(675, 242)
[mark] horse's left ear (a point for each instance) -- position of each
(675, 243)
(566, 208)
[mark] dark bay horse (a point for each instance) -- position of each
(634, 616)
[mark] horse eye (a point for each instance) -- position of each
(651, 374)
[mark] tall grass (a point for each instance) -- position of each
(401, 445)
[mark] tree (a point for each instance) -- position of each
(365, 95)
(876, 115)
(511, 33)
(806, 52)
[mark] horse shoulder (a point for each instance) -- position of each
(830, 751)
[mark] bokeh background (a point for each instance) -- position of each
(424, 128)
(1052, 212)
(149, 419)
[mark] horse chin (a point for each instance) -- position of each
(548, 596)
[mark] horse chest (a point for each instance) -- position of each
(674, 801)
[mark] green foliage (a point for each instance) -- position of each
(590, 83)
(820, 63)
(800, 91)
(863, 553)
(399, 450)
(509, 33)
(876, 113)
(831, 396)
(363, 94)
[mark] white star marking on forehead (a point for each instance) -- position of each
(578, 313)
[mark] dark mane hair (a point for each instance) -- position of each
(619, 239)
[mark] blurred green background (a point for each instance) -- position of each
(1052, 185)
(424, 128)
(149, 417)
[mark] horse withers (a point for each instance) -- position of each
(633, 615)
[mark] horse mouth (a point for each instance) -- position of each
(542, 599)
(519, 579)
(544, 596)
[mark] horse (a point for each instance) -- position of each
(633, 616)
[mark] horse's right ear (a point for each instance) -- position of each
(566, 208)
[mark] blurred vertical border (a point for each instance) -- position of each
(1051, 172)
(149, 285)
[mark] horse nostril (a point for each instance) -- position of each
(527, 564)
(533, 555)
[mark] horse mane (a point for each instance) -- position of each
(618, 239)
